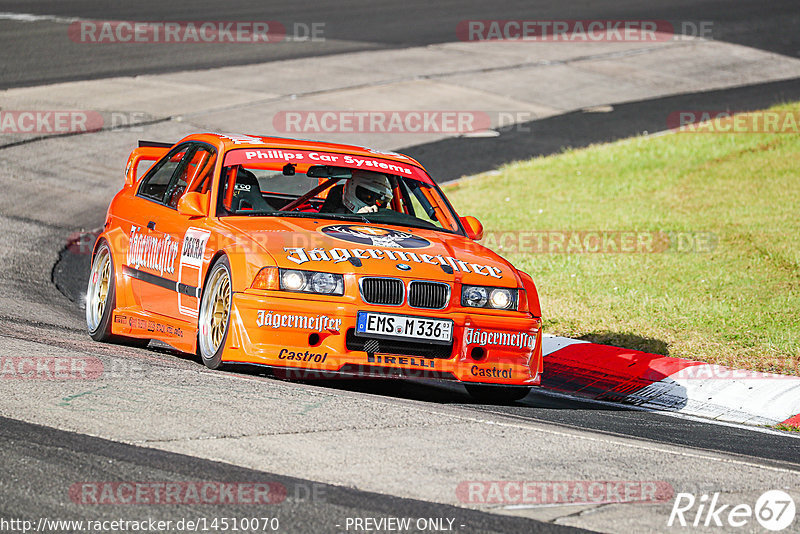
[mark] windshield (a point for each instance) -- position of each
(297, 183)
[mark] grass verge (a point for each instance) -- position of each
(686, 244)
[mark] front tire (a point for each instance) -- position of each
(497, 394)
(215, 314)
(101, 299)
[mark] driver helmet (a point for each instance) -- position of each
(366, 188)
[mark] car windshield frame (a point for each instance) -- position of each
(410, 186)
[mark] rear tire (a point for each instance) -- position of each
(215, 314)
(497, 394)
(101, 299)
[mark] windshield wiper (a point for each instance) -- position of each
(345, 216)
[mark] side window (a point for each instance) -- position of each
(155, 185)
(421, 206)
(195, 169)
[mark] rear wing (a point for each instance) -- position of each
(158, 144)
(149, 151)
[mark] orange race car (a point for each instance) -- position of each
(309, 257)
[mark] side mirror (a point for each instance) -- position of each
(193, 204)
(473, 227)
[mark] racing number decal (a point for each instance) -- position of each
(190, 269)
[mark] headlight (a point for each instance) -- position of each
(324, 282)
(496, 298)
(293, 280)
(501, 299)
(474, 296)
(311, 282)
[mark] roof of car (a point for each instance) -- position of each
(230, 141)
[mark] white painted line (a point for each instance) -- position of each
(29, 17)
(551, 343)
(677, 415)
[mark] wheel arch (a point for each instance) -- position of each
(214, 258)
(222, 349)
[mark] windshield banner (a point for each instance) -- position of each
(253, 156)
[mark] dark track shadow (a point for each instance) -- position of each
(432, 391)
(450, 159)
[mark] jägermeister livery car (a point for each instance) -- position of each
(309, 257)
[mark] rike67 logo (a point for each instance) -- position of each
(774, 511)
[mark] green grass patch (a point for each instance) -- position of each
(711, 269)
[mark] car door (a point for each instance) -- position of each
(158, 233)
(196, 176)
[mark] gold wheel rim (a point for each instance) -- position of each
(219, 315)
(102, 289)
(99, 288)
(215, 313)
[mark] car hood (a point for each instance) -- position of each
(375, 249)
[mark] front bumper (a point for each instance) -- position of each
(311, 337)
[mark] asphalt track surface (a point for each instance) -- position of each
(39, 462)
(46, 461)
(772, 449)
(33, 53)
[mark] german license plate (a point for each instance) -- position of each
(404, 327)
